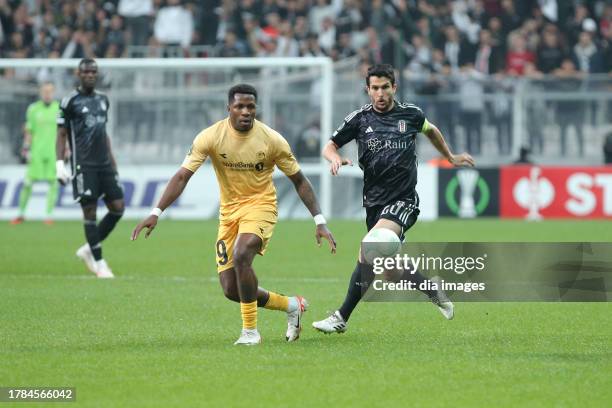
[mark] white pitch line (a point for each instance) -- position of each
(163, 278)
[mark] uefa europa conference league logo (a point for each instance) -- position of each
(467, 194)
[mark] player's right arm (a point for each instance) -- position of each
(27, 135)
(63, 125)
(348, 130)
(173, 190)
(197, 154)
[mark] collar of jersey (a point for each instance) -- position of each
(240, 135)
(387, 112)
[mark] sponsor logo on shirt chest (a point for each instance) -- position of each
(242, 165)
(375, 145)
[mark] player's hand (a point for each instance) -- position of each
(61, 173)
(25, 154)
(338, 162)
(462, 160)
(149, 223)
(323, 232)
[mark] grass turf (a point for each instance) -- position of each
(161, 334)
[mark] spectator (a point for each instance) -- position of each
(570, 112)
(488, 57)
(471, 94)
(573, 26)
(509, 18)
(174, 25)
(518, 55)
(116, 36)
(453, 47)
(350, 18)
(327, 35)
(231, 47)
(421, 56)
(318, 13)
(550, 53)
(137, 15)
(524, 156)
(308, 145)
(607, 149)
(586, 55)
(311, 47)
(287, 44)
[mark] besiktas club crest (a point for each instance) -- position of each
(401, 126)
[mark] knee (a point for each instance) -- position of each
(89, 212)
(228, 285)
(231, 293)
(117, 208)
(242, 258)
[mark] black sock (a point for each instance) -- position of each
(360, 281)
(108, 223)
(417, 278)
(93, 238)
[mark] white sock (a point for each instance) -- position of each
(293, 304)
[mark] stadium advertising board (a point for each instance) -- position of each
(534, 192)
(468, 193)
(142, 186)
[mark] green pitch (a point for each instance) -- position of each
(161, 334)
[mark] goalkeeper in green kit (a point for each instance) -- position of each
(39, 150)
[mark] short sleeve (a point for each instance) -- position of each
(425, 126)
(63, 117)
(421, 122)
(29, 125)
(198, 152)
(107, 108)
(284, 159)
(348, 130)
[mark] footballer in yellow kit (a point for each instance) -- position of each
(244, 153)
(244, 163)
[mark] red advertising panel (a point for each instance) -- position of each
(536, 192)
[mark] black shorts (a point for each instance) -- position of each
(89, 185)
(402, 212)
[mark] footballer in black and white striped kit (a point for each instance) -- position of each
(385, 131)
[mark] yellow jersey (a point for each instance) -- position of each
(243, 162)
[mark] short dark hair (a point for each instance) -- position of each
(241, 89)
(87, 61)
(381, 70)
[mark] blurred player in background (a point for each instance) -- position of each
(244, 152)
(39, 150)
(82, 121)
(385, 131)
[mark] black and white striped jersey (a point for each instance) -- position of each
(387, 150)
(84, 116)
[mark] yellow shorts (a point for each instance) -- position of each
(255, 220)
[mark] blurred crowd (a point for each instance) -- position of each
(514, 37)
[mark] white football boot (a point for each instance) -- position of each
(443, 302)
(294, 319)
(335, 323)
(248, 337)
(84, 254)
(103, 271)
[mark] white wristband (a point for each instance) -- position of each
(319, 219)
(156, 211)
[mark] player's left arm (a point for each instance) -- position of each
(27, 135)
(307, 195)
(437, 140)
(110, 153)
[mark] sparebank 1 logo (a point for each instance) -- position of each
(468, 181)
(534, 193)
